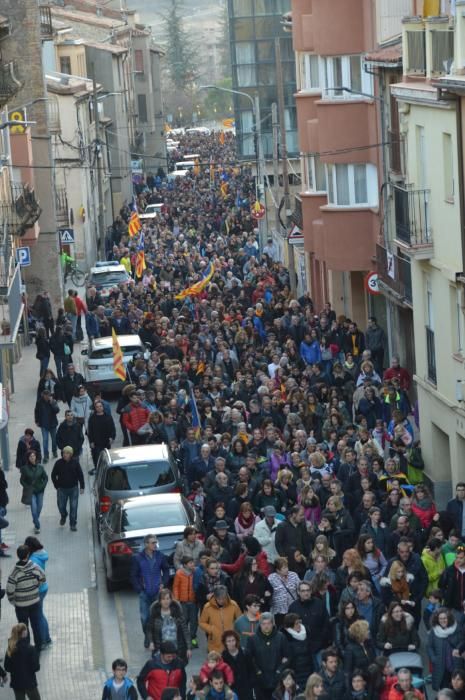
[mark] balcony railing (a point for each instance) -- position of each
(21, 213)
(61, 206)
(53, 114)
(431, 355)
(46, 27)
(9, 83)
(395, 273)
(413, 227)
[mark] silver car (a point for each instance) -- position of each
(127, 472)
(124, 527)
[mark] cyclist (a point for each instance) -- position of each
(66, 264)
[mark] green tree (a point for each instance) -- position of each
(219, 103)
(179, 52)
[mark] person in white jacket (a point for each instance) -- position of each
(265, 533)
(81, 405)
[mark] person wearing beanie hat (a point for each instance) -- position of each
(164, 670)
(68, 479)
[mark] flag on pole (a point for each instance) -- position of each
(196, 168)
(222, 138)
(201, 367)
(134, 225)
(198, 287)
(195, 415)
(224, 189)
(140, 256)
(118, 364)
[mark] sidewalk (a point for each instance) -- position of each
(73, 666)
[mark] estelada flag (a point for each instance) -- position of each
(197, 288)
(134, 225)
(222, 138)
(140, 264)
(118, 364)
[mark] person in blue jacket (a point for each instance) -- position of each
(119, 681)
(149, 573)
(310, 348)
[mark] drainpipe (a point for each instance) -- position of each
(458, 111)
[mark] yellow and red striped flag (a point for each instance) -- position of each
(197, 288)
(140, 264)
(201, 367)
(221, 139)
(196, 168)
(118, 364)
(224, 189)
(134, 225)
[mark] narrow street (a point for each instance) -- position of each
(89, 626)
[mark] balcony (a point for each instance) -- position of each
(430, 355)
(61, 206)
(46, 28)
(21, 213)
(9, 83)
(395, 159)
(395, 275)
(53, 115)
(413, 229)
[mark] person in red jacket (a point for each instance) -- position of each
(403, 686)
(398, 372)
(134, 417)
(164, 670)
(215, 662)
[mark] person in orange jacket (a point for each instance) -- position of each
(183, 591)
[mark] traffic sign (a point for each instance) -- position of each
(23, 256)
(372, 283)
(66, 235)
(296, 236)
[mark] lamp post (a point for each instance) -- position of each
(259, 157)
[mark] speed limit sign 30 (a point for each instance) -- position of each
(372, 283)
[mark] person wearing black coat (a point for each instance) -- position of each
(70, 382)
(360, 651)
(300, 658)
(414, 565)
(70, 433)
(26, 443)
(238, 662)
(45, 416)
(22, 663)
(268, 653)
(455, 508)
(3, 504)
(101, 432)
(293, 541)
(315, 618)
(334, 680)
(43, 350)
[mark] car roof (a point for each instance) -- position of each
(155, 499)
(106, 341)
(107, 268)
(138, 453)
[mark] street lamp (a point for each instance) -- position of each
(255, 102)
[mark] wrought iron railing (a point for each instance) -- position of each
(9, 83)
(61, 205)
(412, 215)
(21, 212)
(46, 27)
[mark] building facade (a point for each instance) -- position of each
(254, 26)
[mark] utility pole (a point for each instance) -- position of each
(260, 169)
(99, 156)
(277, 189)
(287, 195)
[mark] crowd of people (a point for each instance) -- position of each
(322, 551)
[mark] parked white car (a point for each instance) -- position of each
(97, 361)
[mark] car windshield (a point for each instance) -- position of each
(104, 353)
(106, 278)
(141, 475)
(151, 517)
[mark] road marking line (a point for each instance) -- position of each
(122, 626)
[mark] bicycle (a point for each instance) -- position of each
(76, 274)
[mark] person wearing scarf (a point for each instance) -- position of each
(299, 653)
(245, 522)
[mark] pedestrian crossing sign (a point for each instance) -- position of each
(67, 235)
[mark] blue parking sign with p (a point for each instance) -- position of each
(23, 256)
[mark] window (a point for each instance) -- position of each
(421, 155)
(140, 517)
(139, 60)
(352, 185)
(138, 475)
(142, 108)
(246, 68)
(316, 174)
(345, 71)
(460, 320)
(448, 165)
(65, 64)
(310, 72)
